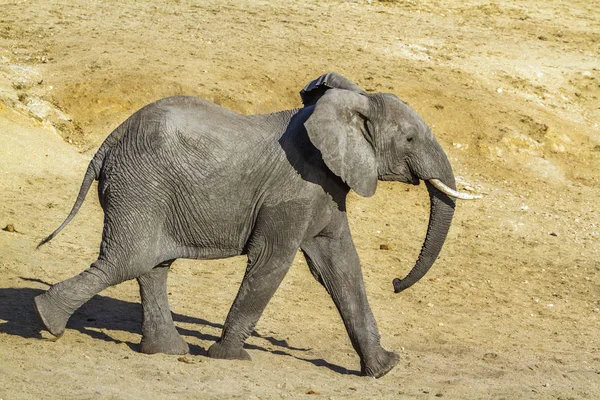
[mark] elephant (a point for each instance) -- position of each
(185, 178)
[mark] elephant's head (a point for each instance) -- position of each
(365, 137)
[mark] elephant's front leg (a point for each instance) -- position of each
(267, 265)
(333, 260)
(159, 334)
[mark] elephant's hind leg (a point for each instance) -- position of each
(56, 306)
(115, 264)
(159, 334)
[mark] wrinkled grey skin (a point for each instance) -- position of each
(185, 178)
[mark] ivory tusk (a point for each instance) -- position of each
(451, 192)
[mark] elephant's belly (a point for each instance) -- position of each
(205, 253)
(211, 231)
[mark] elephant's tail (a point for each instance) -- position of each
(92, 173)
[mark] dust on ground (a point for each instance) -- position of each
(510, 309)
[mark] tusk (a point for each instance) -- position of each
(451, 192)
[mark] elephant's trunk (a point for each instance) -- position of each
(440, 216)
(441, 213)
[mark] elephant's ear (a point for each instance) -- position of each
(337, 128)
(317, 88)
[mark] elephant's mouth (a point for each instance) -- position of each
(410, 178)
(414, 179)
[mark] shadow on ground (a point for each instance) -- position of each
(18, 318)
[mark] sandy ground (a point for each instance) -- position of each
(509, 311)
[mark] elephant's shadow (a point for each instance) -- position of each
(18, 318)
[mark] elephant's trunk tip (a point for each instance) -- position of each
(398, 285)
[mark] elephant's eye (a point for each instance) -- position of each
(409, 138)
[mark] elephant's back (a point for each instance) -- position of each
(201, 130)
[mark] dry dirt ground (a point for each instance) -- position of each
(511, 308)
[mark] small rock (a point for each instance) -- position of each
(9, 228)
(385, 247)
(553, 234)
(186, 360)
(312, 392)
(558, 148)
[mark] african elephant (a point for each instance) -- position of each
(185, 178)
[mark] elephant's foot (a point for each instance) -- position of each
(170, 342)
(53, 317)
(380, 364)
(219, 350)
